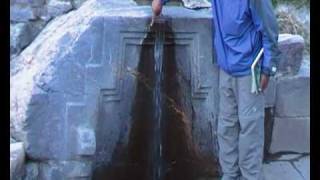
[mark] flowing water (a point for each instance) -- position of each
(157, 96)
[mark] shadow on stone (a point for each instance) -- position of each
(268, 124)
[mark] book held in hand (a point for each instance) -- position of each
(256, 74)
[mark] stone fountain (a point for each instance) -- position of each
(102, 95)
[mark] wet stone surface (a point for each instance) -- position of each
(160, 143)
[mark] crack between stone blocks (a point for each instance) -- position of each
(53, 91)
(297, 169)
(277, 156)
(295, 117)
(45, 89)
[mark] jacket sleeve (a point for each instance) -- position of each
(266, 23)
(164, 1)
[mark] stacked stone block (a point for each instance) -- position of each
(29, 17)
(288, 96)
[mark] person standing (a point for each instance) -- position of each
(242, 29)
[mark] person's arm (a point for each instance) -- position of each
(265, 20)
(157, 7)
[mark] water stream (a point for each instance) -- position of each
(157, 96)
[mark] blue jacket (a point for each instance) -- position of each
(242, 28)
(164, 1)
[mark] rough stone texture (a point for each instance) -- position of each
(22, 34)
(33, 3)
(17, 159)
(33, 13)
(291, 127)
(86, 141)
(12, 140)
(18, 37)
(305, 68)
(73, 80)
(291, 47)
(294, 20)
(195, 4)
(280, 171)
(64, 170)
(26, 22)
(50, 171)
(36, 27)
(293, 97)
(21, 13)
(77, 3)
(77, 169)
(57, 7)
(291, 135)
(289, 157)
(43, 14)
(32, 171)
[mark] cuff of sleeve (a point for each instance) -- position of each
(164, 2)
(269, 71)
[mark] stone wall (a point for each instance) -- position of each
(17, 161)
(288, 99)
(29, 17)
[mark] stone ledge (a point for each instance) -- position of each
(293, 97)
(32, 171)
(65, 169)
(22, 13)
(291, 135)
(280, 171)
(291, 47)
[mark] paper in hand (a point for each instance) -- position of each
(256, 74)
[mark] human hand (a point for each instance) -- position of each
(264, 82)
(156, 7)
(156, 10)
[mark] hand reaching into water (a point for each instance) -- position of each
(156, 9)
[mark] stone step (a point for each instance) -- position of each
(280, 171)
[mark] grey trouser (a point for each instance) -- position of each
(240, 129)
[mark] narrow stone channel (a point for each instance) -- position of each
(158, 99)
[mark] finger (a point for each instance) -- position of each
(264, 85)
